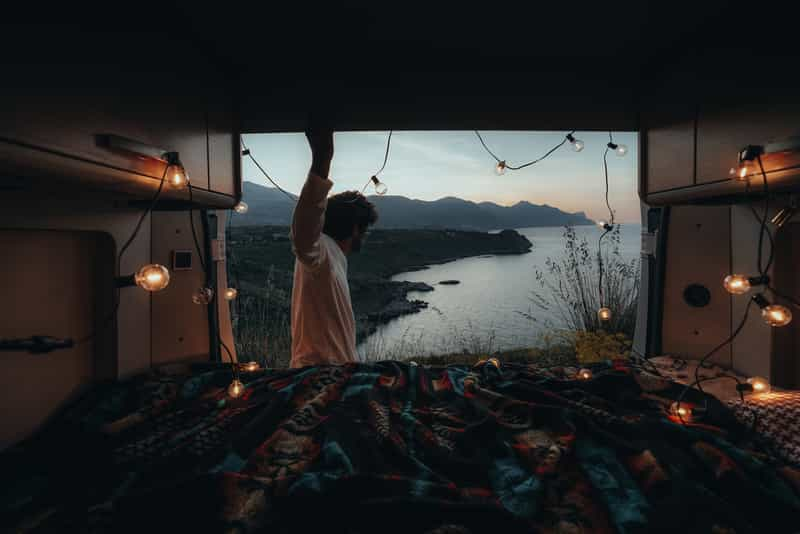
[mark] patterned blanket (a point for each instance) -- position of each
(391, 447)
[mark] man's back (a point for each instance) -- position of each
(323, 326)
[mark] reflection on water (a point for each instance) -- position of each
(484, 309)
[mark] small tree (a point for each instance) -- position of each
(569, 286)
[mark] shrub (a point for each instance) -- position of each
(569, 286)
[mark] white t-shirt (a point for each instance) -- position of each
(323, 324)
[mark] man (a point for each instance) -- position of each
(324, 232)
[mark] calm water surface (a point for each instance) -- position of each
(485, 307)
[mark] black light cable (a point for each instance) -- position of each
(502, 165)
(215, 296)
(246, 152)
(604, 313)
(380, 188)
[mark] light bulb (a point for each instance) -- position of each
(776, 315)
(740, 172)
(736, 284)
(584, 374)
(412, 363)
(177, 176)
(495, 362)
(251, 366)
(621, 150)
(380, 187)
(576, 144)
(236, 389)
(241, 207)
(230, 293)
(203, 295)
(682, 412)
(605, 226)
(152, 277)
(175, 173)
(760, 385)
(604, 314)
(500, 168)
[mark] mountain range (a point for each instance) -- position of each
(269, 206)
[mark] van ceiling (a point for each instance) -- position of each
(418, 65)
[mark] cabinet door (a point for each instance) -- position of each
(669, 108)
(223, 145)
(744, 101)
(669, 138)
(64, 109)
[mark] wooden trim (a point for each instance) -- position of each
(727, 190)
(25, 166)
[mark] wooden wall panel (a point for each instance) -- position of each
(697, 253)
(179, 326)
(55, 283)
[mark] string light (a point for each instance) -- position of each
(746, 156)
(251, 366)
(203, 295)
(773, 314)
(604, 314)
(495, 362)
(241, 207)
(681, 411)
(618, 148)
(231, 293)
(236, 388)
(576, 144)
(584, 374)
(380, 187)
(502, 165)
(739, 284)
(176, 173)
(759, 384)
(152, 277)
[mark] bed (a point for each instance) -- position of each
(393, 447)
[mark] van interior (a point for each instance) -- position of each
(129, 409)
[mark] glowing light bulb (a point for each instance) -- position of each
(736, 284)
(495, 362)
(604, 314)
(584, 374)
(621, 150)
(776, 315)
(576, 144)
(152, 277)
(412, 363)
(231, 293)
(380, 187)
(203, 295)
(241, 207)
(176, 174)
(760, 384)
(251, 366)
(500, 168)
(605, 226)
(236, 389)
(740, 172)
(682, 412)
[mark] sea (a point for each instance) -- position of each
(490, 308)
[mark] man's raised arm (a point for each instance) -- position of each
(309, 214)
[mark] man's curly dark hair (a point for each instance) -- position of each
(346, 210)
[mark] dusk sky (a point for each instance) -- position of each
(431, 165)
